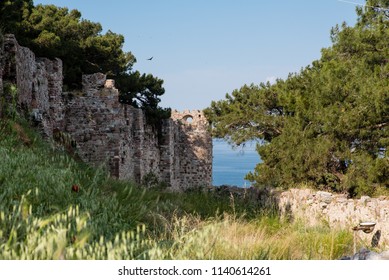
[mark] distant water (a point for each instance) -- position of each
(231, 165)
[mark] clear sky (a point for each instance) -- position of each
(203, 49)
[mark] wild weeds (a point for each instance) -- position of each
(66, 235)
(231, 237)
(43, 217)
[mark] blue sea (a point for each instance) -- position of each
(230, 165)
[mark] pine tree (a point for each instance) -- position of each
(327, 125)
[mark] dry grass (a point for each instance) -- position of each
(229, 237)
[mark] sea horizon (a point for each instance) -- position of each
(231, 164)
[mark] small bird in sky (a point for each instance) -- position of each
(150, 58)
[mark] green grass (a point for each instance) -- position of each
(42, 218)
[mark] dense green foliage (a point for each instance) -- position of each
(12, 14)
(52, 31)
(143, 91)
(327, 125)
(44, 216)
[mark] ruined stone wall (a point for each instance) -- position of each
(38, 82)
(192, 149)
(118, 136)
(318, 207)
(102, 131)
(108, 133)
(338, 211)
(95, 121)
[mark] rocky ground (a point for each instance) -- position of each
(365, 254)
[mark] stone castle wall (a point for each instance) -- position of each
(102, 131)
(193, 147)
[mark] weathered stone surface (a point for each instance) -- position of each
(38, 82)
(192, 148)
(324, 197)
(340, 212)
(103, 131)
(91, 84)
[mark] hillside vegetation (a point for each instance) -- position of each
(53, 207)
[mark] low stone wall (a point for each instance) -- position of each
(316, 207)
(338, 211)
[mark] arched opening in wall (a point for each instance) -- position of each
(188, 119)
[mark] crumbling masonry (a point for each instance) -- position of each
(104, 131)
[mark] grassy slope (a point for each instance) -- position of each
(42, 218)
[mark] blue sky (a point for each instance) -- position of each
(204, 49)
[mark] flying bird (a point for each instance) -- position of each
(150, 58)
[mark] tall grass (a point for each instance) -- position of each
(49, 175)
(229, 237)
(43, 217)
